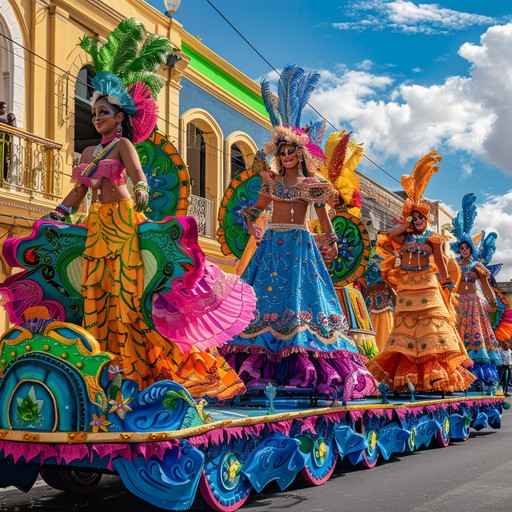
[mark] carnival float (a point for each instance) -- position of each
(71, 414)
(65, 413)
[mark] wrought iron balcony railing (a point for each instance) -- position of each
(203, 211)
(30, 165)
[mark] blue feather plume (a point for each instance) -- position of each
(316, 132)
(488, 248)
(287, 92)
(306, 87)
(463, 222)
(270, 103)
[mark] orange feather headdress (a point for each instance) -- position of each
(415, 184)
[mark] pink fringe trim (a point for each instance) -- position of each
(67, 453)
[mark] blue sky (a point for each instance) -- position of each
(405, 77)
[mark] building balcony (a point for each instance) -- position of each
(203, 210)
(31, 167)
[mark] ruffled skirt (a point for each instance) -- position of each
(475, 330)
(113, 282)
(299, 336)
(424, 348)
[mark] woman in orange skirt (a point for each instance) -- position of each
(424, 349)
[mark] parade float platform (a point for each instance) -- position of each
(177, 448)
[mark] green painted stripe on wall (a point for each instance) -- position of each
(224, 81)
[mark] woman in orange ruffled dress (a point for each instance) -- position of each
(424, 349)
(197, 315)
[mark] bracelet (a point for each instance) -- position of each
(62, 208)
(319, 205)
(448, 285)
(141, 185)
(57, 216)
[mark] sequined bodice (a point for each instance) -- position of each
(308, 190)
(469, 273)
(417, 243)
(113, 170)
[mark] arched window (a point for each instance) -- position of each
(196, 159)
(85, 133)
(237, 161)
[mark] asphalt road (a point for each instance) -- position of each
(475, 475)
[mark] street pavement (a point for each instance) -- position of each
(475, 475)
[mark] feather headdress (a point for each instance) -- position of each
(126, 72)
(416, 183)
(482, 245)
(293, 92)
(342, 157)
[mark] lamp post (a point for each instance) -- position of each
(171, 7)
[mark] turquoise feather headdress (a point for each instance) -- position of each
(126, 67)
(482, 246)
(294, 89)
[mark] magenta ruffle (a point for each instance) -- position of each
(67, 453)
(325, 372)
(213, 311)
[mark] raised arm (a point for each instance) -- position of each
(74, 197)
(446, 281)
(486, 287)
(398, 234)
(252, 213)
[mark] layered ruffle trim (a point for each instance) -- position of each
(303, 341)
(67, 453)
(432, 374)
(326, 373)
(216, 309)
(484, 357)
(486, 374)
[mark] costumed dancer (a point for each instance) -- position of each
(423, 349)
(299, 336)
(124, 112)
(380, 300)
(473, 310)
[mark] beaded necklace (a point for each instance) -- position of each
(417, 243)
(468, 274)
(291, 192)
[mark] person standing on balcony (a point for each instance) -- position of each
(3, 112)
(5, 142)
(300, 336)
(11, 119)
(113, 273)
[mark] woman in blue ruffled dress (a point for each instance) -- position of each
(299, 336)
(474, 309)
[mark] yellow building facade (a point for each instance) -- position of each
(43, 79)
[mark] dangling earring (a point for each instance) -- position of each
(300, 173)
(119, 130)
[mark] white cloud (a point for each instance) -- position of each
(470, 114)
(409, 17)
(466, 170)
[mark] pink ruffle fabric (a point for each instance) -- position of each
(215, 309)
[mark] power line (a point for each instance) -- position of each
(272, 67)
(78, 81)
